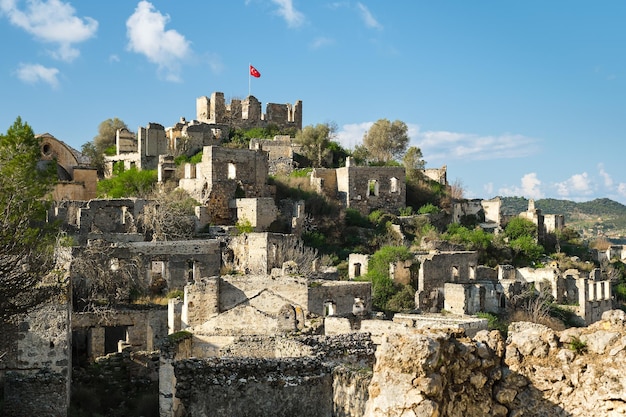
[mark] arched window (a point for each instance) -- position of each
(232, 171)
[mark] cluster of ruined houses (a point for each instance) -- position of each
(249, 284)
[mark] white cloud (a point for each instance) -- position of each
(54, 22)
(488, 188)
(321, 42)
(286, 10)
(608, 181)
(351, 135)
(446, 146)
(621, 189)
(147, 35)
(369, 20)
(114, 58)
(530, 187)
(34, 73)
(576, 185)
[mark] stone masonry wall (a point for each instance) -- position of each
(43, 393)
(369, 188)
(437, 269)
(259, 387)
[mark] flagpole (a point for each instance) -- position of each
(249, 65)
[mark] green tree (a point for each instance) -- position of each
(386, 141)
(316, 141)
(105, 139)
(27, 241)
(413, 161)
(360, 154)
(131, 183)
(383, 288)
(518, 227)
(526, 250)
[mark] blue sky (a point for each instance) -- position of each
(523, 98)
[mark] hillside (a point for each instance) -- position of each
(600, 216)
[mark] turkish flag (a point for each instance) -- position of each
(254, 72)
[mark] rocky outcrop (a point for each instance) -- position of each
(537, 372)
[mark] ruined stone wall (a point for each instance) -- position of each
(276, 387)
(182, 261)
(237, 289)
(38, 361)
(248, 167)
(267, 370)
(125, 141)
(102, 218)
(260, 212)
(40, 393)
(464, 208)
(247, 113)
(201, 301)
(357, 265)
(438, 268)
(536, 372)
(259, 253)
(324, 181)
(341, 293)
(79, 190)
(472, 298)
(437, 174)
(370, 188)
(553, 222)
(492, 210)
(280, 153)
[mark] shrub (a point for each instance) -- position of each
(428, 208)
(314, 239)
(403, 300)
(355, 218)
(494, 322)
(406, 211)
(300, 173)
(244, 226)
(577, 345)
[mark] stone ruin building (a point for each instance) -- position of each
(363, 188)
(258, 319)
(247, 113)
(232, 184)
(214, 122)
(281, 152)
(546, 223)
(453, 281)
(77, 179)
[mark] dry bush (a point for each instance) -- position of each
(169, 216)
(601, 243)
(551, 322)
(100, 279)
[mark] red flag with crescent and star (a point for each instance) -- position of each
(254, 72)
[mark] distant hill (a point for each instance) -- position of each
(600, 216)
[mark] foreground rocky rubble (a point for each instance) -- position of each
(578, 372)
